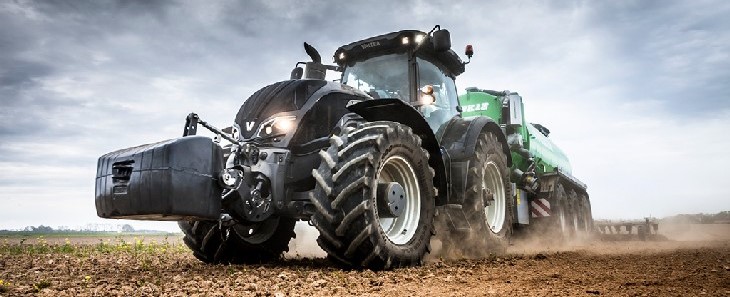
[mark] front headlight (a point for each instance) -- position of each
(277, 126)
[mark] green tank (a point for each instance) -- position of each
(507, 109)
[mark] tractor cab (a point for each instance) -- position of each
(416, 67)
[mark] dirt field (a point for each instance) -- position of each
(670, 268)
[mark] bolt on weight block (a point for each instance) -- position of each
(170, 180)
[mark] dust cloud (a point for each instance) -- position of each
(695, 232)
(447, 245)
(304, 245)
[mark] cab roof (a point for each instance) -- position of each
(393, 43)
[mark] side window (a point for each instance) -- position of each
(444, 91)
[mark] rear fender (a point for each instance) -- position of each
(459, 138)
(395, 110)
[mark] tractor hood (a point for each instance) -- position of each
(279, 97)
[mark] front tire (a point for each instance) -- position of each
(355, 229)
(238, 244)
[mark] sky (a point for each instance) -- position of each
(637, 93)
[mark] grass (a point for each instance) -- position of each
(37, 287)
(4, 286)
(63, 234)
(138, 245)
(143, 254)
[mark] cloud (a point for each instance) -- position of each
(636, 92)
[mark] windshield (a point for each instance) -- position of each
(380, 77)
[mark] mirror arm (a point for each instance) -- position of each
(437, 27)
(334, 68)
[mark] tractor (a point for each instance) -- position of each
(376, 161)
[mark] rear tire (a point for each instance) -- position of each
(238, 244)
(488, 201)
(353, 231)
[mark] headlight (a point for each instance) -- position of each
(277, 126)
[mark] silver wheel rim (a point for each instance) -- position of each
(401, 229)
(495, 212)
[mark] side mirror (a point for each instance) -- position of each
(297, 73)
(441, 40)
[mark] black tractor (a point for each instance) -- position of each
(374, 161)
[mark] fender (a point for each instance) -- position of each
(395, 110)
(459, 138)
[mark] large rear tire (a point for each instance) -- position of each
(355, 229)
(488, 201)
(238, 244)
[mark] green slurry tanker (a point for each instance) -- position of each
(380, 161)
(546, 195)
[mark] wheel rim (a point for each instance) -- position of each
(495, 212)
(401, 229)
(257, 233)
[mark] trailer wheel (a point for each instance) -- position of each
(374, 196)
(585, 216)
(488, 203)
(239, 244)
(565, 219)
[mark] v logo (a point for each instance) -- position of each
(249, 125)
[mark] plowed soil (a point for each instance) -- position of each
(666, 268)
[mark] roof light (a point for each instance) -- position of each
(342, 55)
(420, 38)
(405, 40)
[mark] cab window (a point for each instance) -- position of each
(444, 92)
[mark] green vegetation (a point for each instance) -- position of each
(37, 287)
(34, 231)
(4, 286)
(107, 245)
(65, 234)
